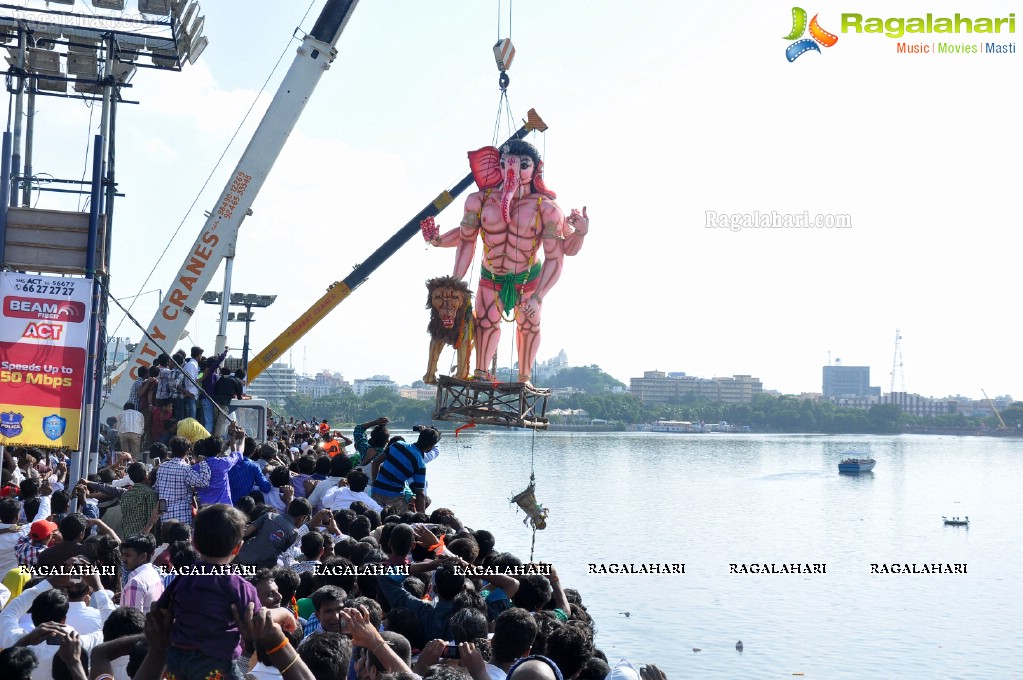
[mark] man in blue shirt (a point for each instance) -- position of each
(245, 476)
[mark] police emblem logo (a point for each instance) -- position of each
(10, 424)
(54, 426)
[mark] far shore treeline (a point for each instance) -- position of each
(593, 393)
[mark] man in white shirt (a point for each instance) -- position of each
(81, 615)
(191, 386)
(11, 531)
(341, 497)
(145, 583)
(49, 613)
(340, 466)
(130, 425)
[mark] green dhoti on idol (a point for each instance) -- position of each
(516, 216)
(511, 287)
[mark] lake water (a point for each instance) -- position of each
(711, 500)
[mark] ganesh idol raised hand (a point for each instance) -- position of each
(516, 217)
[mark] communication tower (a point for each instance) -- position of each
(897, 375)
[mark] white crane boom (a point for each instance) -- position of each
(217, 238)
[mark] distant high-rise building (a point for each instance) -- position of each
(848, 381)
(276, 384)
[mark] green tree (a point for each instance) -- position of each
(585, 379)
(1013, 415)
(885, 418)
(740, 414)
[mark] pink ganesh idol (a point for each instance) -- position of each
(517, 219)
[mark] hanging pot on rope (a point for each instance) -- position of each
(535, 513)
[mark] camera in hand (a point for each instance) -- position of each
(450, 652)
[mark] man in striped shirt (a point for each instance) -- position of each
(133, 395)
(176, 480)
(406, 463)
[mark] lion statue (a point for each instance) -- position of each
(452, 322)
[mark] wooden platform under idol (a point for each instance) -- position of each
(512, 404)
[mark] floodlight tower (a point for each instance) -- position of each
(246, 300)
(90, 56)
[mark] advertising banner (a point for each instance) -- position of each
(44, 333)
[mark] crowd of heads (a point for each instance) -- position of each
(319, 576)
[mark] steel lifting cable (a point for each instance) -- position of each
(532, 481)
(511, 4)
(504, 110)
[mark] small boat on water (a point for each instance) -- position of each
(956, 521)
(854, 465)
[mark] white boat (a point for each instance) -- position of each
(674, 426)
(671, 426)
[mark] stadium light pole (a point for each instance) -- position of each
(246, 300)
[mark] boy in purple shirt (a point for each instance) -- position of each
(220, 464)
(204, 638)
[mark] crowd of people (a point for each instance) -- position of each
(186, 395)
(223, 558)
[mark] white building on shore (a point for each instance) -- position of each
(364, 385)
(323, 384)
(276, 384)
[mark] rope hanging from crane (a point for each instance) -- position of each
(504, 53)
(536, 514)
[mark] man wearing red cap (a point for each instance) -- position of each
(29, 548)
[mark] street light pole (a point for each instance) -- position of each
(245, 349)
(246, 300)
(225, 300)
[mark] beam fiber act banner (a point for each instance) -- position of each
(44, 332)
